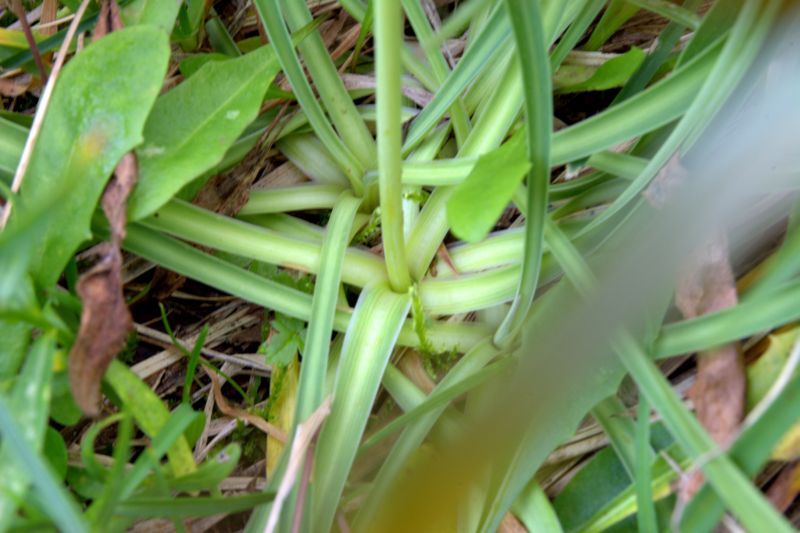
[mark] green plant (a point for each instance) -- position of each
(490, 313)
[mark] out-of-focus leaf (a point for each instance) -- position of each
(12, 139)
(479, 201)
(191, 506)
(14, 339)
(60, 507)
(55, 449)
(161, 13)
(602, 481)
(616, 14)
(96, 115)
(762, 374)
(210, 474)
(29, 402)
(62, 407)
(765, 370)
(193, 125)
(149, 412)
(187, 32)
(194, 62)
(613, 73)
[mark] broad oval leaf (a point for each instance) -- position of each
(96, 115)
(479, 201)
(193, 125)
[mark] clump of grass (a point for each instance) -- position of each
(531, 262)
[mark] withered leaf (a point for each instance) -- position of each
(105, 323)
(785, 488)
(241, 414)
(105, 319)
(707, 285)
(108, 20)
(115, 197)
(15, 86)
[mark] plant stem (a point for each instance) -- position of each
(388, 42)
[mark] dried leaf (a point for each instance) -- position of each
(105, 320)
(707, 285)
(785, 488)
(241, 414)
(115, 197)
(105, 323)
(15, 86)
(305, 434)
(108, 20)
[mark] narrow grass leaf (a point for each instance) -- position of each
(388, 36)
(191, 506)
(495, 34)
(338, 103)
(368, 345)
(643, 469)
(30, 400)
(730, 484)
(616, 14)
(61, 508)
(532, 49)
(323, 307)
(149, 412)
(271, 15)
(612, 415)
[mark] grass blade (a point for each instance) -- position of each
(532, 51)
(388, 41)
(367, 347)
(60, 506)
(730, 484)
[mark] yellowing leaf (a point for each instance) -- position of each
(762, 374)
(283, 398)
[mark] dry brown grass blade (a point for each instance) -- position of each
(300, 445)
(785, 488)
(706, 286)
(49, 14)
(241, 414)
